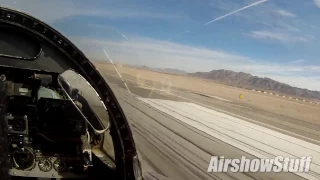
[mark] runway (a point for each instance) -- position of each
(177, 132)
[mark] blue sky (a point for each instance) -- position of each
(276, 38)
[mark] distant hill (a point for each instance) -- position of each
(245, 80)
(164, 70)
(169, 70)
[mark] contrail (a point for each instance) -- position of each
(125, 84)
(221, 17)
(122, 35)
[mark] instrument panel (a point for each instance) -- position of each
(53, 167)
(38, 146)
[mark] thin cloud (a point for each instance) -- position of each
(281, 26)
(51, 11)
(310, 36)
(285, 13)
(297, 61)
(277, 36)
(317, 3)
(290, 28)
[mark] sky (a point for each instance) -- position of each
(267, 38)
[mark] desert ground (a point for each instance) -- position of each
(179, 122)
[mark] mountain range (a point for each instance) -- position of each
(245, 80)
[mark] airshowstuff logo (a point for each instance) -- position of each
(277, 164)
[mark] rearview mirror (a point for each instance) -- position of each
(86, 99)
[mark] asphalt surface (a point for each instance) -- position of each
(177, 132)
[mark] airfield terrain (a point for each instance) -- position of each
(179, 122)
